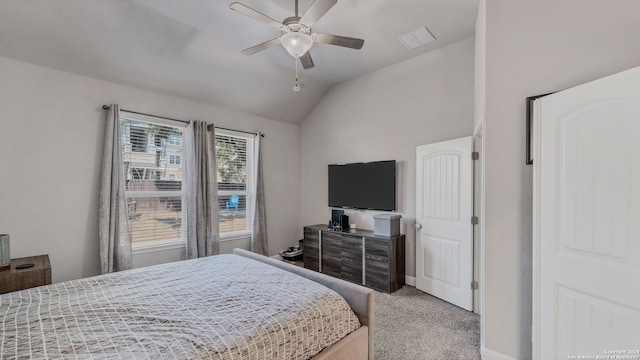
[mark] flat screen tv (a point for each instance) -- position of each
(369, 185)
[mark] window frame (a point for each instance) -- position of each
(139, 248)
(249, 189)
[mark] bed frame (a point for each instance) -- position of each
(359, 344)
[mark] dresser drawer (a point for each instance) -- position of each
(352, 260)
(331, 239)
(310, 233)
(377, 283)
(352, 274)
(376, 261)
(379, 247)
(311, 250)
(331, 253)
(352, 244)
(311, 263)
(311, 246)
(331, 264)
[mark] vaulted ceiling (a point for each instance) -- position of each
(191, 48)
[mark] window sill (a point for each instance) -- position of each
(181, 244)
(158, 246)
(241, 235)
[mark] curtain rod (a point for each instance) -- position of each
(106, 107)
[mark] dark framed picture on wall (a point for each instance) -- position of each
(529, 127)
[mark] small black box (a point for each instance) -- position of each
(344, 222)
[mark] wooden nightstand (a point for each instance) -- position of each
(37, 275)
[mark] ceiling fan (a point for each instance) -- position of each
(297, 37)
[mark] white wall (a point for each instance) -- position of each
(534, 47)
(51, 138)
(480, 73)
(384, 115)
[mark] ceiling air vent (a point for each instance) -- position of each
(417, 38)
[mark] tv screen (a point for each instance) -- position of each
(370, 185)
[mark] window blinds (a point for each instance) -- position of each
(154, 189)
(234, 154)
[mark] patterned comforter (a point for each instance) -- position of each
(220, 307)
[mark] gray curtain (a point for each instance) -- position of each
(113, 225)
(203, 238)
(259, 243)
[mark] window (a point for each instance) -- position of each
(154, 191)
(174, 159)
(234, 157)
(175, 139)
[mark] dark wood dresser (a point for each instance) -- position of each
(356, 255)
(19, 279)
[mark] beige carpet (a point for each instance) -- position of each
(410, 324)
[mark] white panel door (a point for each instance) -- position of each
(587, 220)
(444, 206)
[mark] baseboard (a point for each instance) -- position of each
(410, 280)
(488, 354)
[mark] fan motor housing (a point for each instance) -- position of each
(293, 24)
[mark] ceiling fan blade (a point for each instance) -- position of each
(338, 40)
(315, 12)
(267, 44)
(245, 10)
(306, 61)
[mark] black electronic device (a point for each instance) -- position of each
(344, 223)
(370, 185)
(335, 216)
(335, 219)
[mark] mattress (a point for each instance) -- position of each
(220, 307)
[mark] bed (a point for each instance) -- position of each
(236, 306)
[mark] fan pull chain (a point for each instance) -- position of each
(296, 85)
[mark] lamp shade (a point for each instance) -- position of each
(5, 256)
(296, 43)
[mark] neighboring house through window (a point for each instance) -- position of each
(154, 188)
(138, 138)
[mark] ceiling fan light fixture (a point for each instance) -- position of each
(296, 43)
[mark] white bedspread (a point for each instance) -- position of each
(221, 307)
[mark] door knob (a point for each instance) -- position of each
(417, 226)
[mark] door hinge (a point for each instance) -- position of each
(474, 285)
(475, 155)
(474, 220)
